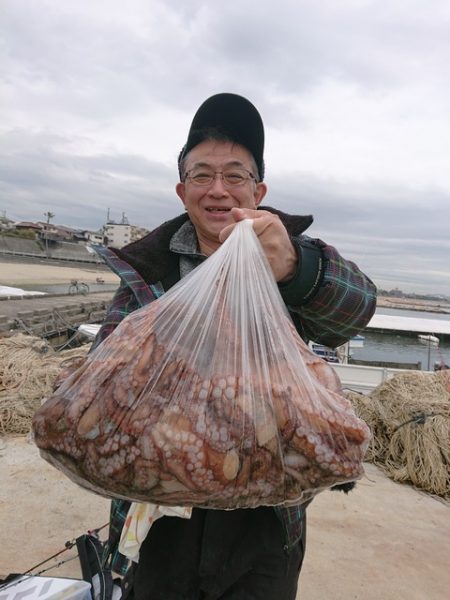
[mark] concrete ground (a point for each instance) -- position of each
(384, 541)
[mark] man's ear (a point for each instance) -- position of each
(260, 192)
(180, 190)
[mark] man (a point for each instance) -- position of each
(246, 553)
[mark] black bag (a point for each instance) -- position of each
(90, 552)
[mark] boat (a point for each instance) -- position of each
(357, 341)
(429, 340)
(89, 330)
(328, 354)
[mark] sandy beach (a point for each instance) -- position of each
(17, 274)
(384, 541)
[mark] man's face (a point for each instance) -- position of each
(209, 206)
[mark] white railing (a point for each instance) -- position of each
(362, 378)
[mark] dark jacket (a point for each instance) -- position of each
(329, 298)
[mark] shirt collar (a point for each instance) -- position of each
(184, 241)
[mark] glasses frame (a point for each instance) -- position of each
(225, 183)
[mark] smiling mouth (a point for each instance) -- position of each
(212, 209)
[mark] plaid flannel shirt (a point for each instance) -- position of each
(340, 306)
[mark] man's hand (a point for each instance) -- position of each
(274, 239)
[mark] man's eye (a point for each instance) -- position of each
(202, 177)
(234, 177)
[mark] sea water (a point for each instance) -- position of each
(402, 347)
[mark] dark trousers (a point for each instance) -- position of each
(216, 555)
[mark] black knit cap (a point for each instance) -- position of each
(235, 118)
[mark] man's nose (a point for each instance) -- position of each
(217, 186)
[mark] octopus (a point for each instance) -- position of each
(148, 418)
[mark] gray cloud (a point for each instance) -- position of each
(400, 237)
(79, 189)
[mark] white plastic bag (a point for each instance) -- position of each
(206, 397)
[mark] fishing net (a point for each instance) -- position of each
(409, 416)
(28, 369)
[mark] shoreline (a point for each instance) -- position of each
(431, 306)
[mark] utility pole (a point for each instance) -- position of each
(49, 216)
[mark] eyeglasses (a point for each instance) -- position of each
(230, 177)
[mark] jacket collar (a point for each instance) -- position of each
(151, 255)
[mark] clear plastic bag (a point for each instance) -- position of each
(206, 397)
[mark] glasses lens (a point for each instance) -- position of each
(235, 177)
(231, 177)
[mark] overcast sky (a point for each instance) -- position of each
(96, 100)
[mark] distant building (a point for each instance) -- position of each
(121, 234)
(117, 234)
(6, 224)
(27, 229)
(138, 232)
(56, 233)
(29, 225)
(94, 237)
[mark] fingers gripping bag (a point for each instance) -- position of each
(206, 397)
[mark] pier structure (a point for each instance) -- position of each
(52, 317)
(411, 325)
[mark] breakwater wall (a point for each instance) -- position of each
(55, 319)
(417, 366)
(57, 251)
